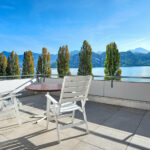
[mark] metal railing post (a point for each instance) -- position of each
(111, 83)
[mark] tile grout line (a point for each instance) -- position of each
(81, 140)
(136, 129)
(111, 116)
(89, 144)
(105, 120)
(93, 145)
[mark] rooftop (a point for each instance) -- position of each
(111, 128)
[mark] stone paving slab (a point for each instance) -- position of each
(126, 119)
(139, 143)
(141, 139)
(108, 138)
(111, 128)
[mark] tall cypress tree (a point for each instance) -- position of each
(44, 66)
(48, 65)
(85, 59)
(112, 62)
(44, 59)
(24, 69)
(63, 61)
(8, 69)
(13, 67)
(3, 65)
(39, 65)
(28, 65)
(12, 61)
(16, 65)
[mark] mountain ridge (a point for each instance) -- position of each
(139, 50)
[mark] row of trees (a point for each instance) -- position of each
(85, 57)
(11, 66)
(112, 62)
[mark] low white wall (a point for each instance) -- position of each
(124, 90)
(120, 102)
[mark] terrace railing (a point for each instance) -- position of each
(95, 77)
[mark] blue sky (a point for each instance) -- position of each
(33, 24)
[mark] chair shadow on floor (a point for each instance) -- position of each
(23, 143)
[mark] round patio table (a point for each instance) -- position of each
(46, 88)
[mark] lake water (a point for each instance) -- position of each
(143, 71)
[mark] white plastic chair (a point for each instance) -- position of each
(9, 100)
(74, 88)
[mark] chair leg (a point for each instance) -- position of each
(57, 127)
(73, 114)
(85, 119)
(17, 111)
(48, 119)
(47, 113)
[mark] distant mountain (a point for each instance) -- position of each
(140, 50)
(134, 59)
(126, 59)
(99, 52)
(53, 58)
(6, 53)
(74, 52)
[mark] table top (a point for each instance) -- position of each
(44, 87)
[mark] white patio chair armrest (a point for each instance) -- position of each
(9, 96)
(51, 99)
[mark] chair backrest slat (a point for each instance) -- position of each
(75, 88)
(73, 94)
(76, 84)
(75, 99)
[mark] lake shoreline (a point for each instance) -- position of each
(104, 67)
